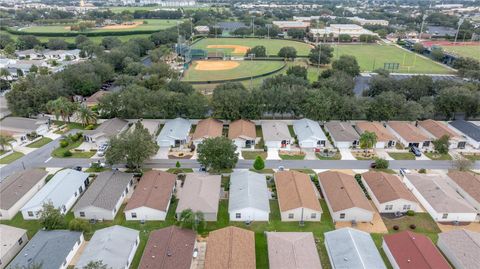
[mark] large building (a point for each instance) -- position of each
(353, 30)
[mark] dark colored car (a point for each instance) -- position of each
(416, 151)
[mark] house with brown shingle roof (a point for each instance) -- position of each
(230, 248)
(388, 193)
(207, 128)
(292, 250)
(243, 133)
(437, 129)
(409, 135)
(152, 196)
(94, 99)
(297, 198)
(467, 184)
(169, 248)
(345, 199)
(385, 139)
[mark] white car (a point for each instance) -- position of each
(102, 149)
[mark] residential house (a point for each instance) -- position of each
(151, 125)
(19, 128)
(62, 190)
(207, 128)
(169, 248)
(385, 139)
(351, 248)
(13, 240)
(437, 129)
(30, 54)
(408, 250)
(467, 184)
(17, 188)
(292, 250)
(52, 249)
(94, 99)
(230, 247)
(345, 199)
(62, 55)
(461, 247)
(248, 197)
(108, 129)
(343, 134)
(243, 133)
(409, 135)
(200, 192)
(276, 134)
(297, 197)
(115, 246)
(174, 133)
(388, 193)
(440, 200)
(309, 134)
(104, 197)
(152, 196)
(287, 25)
(470, 130)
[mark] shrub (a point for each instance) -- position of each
(395, 227)
(177, 165)
(422, 171)
(410, 213)
(67, 154)
(63, 143)
(74, 138)
(413, 226)
(89, 127)
(381, 163)
(79, 225)
(259, 164)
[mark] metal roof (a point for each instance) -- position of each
(248, 190)
(306, 129)
(175, 129)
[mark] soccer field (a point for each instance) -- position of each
(272, 45)
(471, 51)
(371, 57)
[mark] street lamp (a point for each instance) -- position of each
(460, 22)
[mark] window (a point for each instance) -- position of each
(342, 215)
(238, 215)
(313, 216)
(444, 216)
(388, 207)
(126, 190)
(64, 209)
(134, 215)
(20, 241)
(80, 190)
(76, 194)
(406, 207)
(290, 216)
(30, 213)
(82, 214)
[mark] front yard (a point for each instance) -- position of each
(334, 156)
(291, 155)
(402, 155)
(472, 157)
(11, 157)
(251, 155)
(62, 152)
(438, 156)
(40, 143)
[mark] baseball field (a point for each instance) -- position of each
(238, 46)
(371, 57)
(217, 70)
(463, 49)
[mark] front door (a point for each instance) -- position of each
(461, 145)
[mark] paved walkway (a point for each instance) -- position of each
(346, 154)
(375, 226)
(310, 155)
(162, 153)
(382, 153)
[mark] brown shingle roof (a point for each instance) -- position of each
(342, 191)
(230, 248)
(15, 186)
(208, 128)
(95, 98)
(468, 181)
(168, 248)
(437, 129)
(295, 190)
(154, 190)
(376, 127)
(242, 129)
(387, 187)
(292, 250)
(408, 131)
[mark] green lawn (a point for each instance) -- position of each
(306, 171)
(464, 51)
(40, 143)
(402, 155)
(263, 171)
(291, 157)
(473, 157)
(59, 151)
(244, 70)
(336, 156)
(423, 221)
(11, 157)
(436, 156)
(180, 170)
(273, 46)
(71, 39)
(251, 155)
(371, 57)
(378, 240)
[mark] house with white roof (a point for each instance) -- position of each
(248, 197)
(62, 191)
(276, 134)
(440, 200)
(309, 134)
(174, 133)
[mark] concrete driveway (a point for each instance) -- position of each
(162, 153)
(423, 157)
(272, 154)
(346, 154)
(382, 153)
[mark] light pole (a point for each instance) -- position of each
(460, 22)
(253, 26)
(251, 55)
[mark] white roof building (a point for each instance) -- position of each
(309, 133)
(174, 133)
(339, 29)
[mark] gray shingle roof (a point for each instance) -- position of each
(275, 131)
(469, 129)
(306, 129)
(111, 245)
(15, 186)
(200, 192)
(248, 189)
(462, 246)
(351, 248)
(48, 248)
(111, 127)
(342, 131)
(292, 250)
(105, 191)
(19, 124)
(175, 129)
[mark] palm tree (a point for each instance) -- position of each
(87, 116)
(5, 141)
(61, 107)
(191, 219)
(367, 141)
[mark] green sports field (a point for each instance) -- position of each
(245, 70)
(272, 45)
(71, 39)
(371, 57)
(464, 51)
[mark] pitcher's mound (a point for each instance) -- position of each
(236, 49)
(215, 65)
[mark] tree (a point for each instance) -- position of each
(87, 116)
(111, 42)
(259, 164)
(345, 38)
(347, 64)
(367, 140)
(57, 44)
(418, 48)
(217, 153)
(5, 40)
(288, 53)
(50, 217)
(131, 147)
(4, 73)
(191, 219)
(95, 265)
(442, 144)
(232, 101)
(457, 99)
(298, 71)
(325, 52)
(33, 69)
(462, 164)
(61, 107)
(381, 163)
(437, 54)
(5, 141)
(9, 49)
(296, 33)
(259, 51)
(25, 42)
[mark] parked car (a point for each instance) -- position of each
(78, 168)
(373, 165)
(416, 151)
(102, 149)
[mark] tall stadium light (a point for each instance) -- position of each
(460, 22)
(423, 23)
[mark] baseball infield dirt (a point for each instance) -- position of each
(215, 65)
